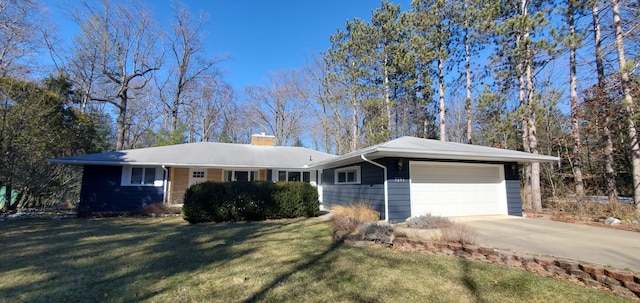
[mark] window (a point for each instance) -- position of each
(197, 176)
(141, 176)
(348, 175)
(136, 175)
(240, 175)
(149, 175)
(294, 176)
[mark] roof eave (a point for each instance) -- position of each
(522, 157)
(225, 166)
(463, 156)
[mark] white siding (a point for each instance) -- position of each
(457, 189)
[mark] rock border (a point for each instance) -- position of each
(622, 282)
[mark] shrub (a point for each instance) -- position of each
(200, 201)
(458, 232)
(224, 201)
(380, 233)
(248, 200)
(429, 221)
(292, 200)
(240, 201)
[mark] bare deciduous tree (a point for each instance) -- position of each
(21, 33)
(124, 40)
(207, 111)
(188, 65)
(329, 127)
(278, 107)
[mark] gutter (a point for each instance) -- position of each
(386, 191)
(164, 184)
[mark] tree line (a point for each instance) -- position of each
(551, 77)
(516, 75)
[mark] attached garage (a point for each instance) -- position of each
(409, 177)
(457, 189)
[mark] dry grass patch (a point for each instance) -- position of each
(590, 211)
(346, 219)
(360, 211)
(458, 233)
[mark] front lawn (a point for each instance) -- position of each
(169, 260)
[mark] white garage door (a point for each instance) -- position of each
(455, 189)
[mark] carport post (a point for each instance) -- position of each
(386, 195)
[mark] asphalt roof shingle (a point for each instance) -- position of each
(206, 154)
(223, 155)
(412, 147)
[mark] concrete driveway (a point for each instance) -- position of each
(597, 245)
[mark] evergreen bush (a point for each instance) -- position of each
(293, 199)
(252, 201)
(201, 200)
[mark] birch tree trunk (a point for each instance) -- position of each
(387, 93)
(575, 125)
(467, 65)
(354, 125)
(628, 106)
(443, 132)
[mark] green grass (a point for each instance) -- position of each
(168, 260)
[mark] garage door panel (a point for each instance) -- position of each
(456, 175)
(456, 190)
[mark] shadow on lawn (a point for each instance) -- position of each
(315, 261)
(114, 259)
(469, 282)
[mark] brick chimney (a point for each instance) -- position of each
(263, 140)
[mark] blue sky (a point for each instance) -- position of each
(267, 36)
(258, 36)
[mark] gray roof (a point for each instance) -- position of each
(412, 147)
(206, 154)
(227, 155)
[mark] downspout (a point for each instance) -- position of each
(164, 184)
(386, 192)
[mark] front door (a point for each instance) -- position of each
(197, 175)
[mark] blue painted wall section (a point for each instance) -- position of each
(514, 201)
(399, 200)
(347, 194)
(512, 180)
(371, 188)
(398, 185)
(101, 190)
